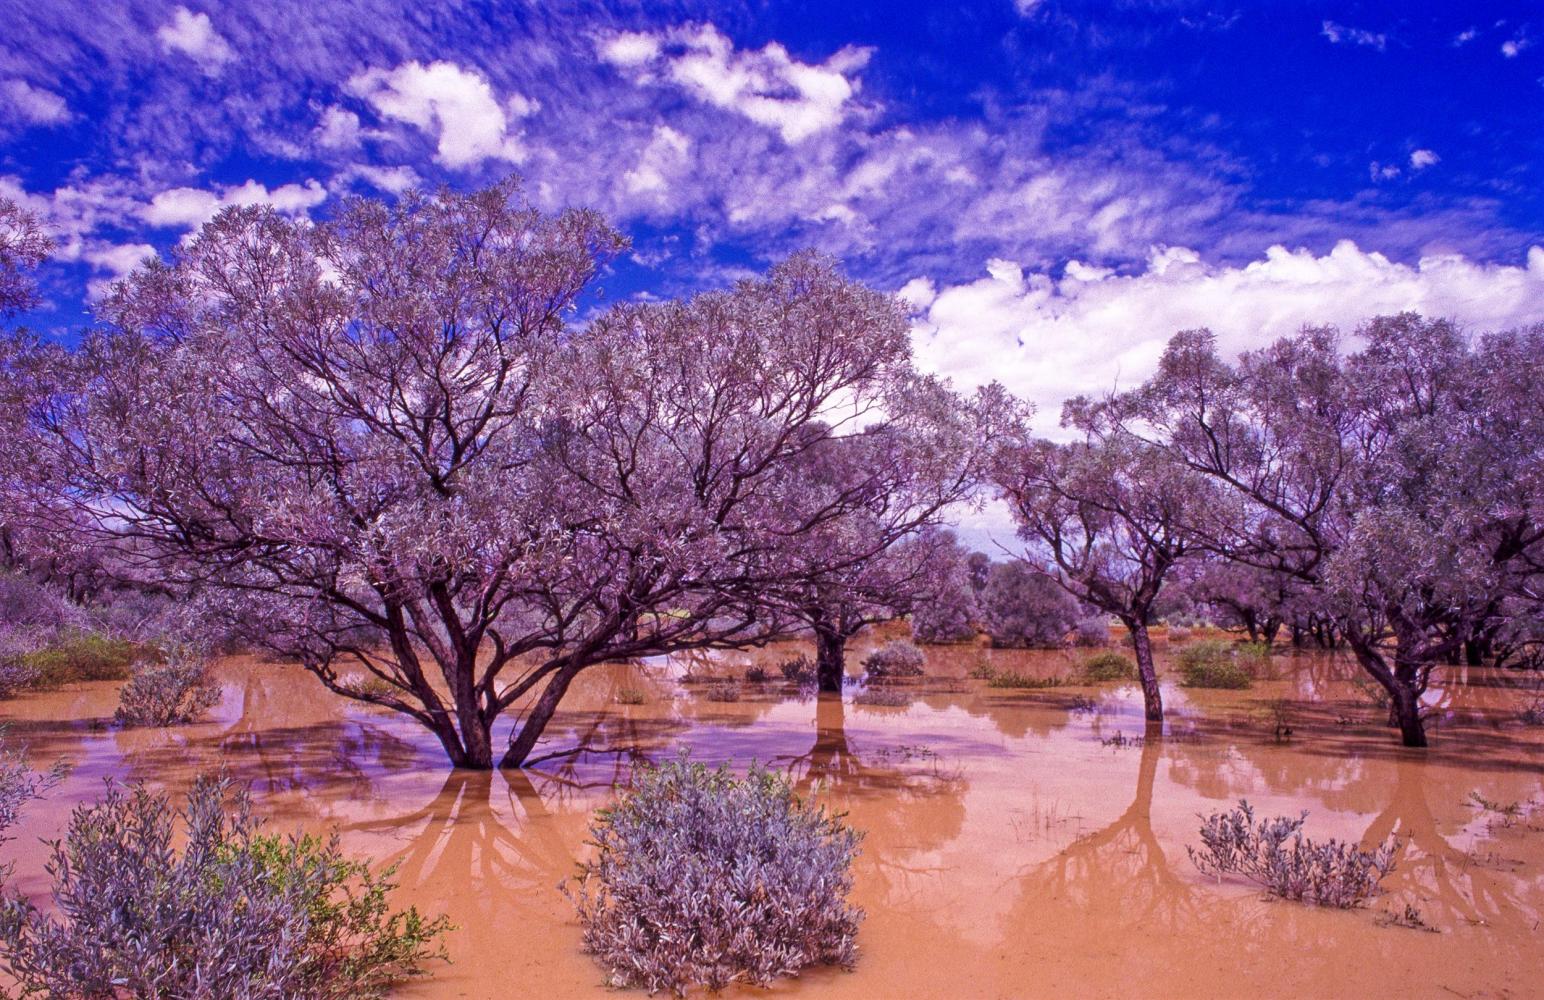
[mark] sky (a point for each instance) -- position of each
(1054, 187)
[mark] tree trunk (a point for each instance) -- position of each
(1271, 630)
(830, 658)
(1142, 646)
(524, 739)
(1399, 682)
(1407, 715)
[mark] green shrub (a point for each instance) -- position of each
(703, 878)
(1213, 664)
(81, 657)
(1010, 679)
(630, 696)
(1108, 666)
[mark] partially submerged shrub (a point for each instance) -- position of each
(1093, 631)
(232, 914)
(1329, 874)
(877, 697)
(1213, 664)
(704, 878)
(167, 694)
(1020, 607)
(798, 670)
(81, 657)
(982, 671)
(723, 691)
(757, 675)
(896, 658)
(1010, 679)
(19, 784)
(16, 676)
(1108, 666)
(630, 696)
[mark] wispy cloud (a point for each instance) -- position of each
(1340, 34)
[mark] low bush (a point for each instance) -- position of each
(877, 697)
(1093, 631)
(702, 878)
(982, 671)
(172, 693)
(723, 691)
(1329, 874)
(16, 676)
(81, 657)
(1213, 664)
(798, 670)
(896, 658)
(1108, 666)
(757, 675)
(232, 914)
(630, 696)
(19, 784)
(1010, 679)
(1178, 633)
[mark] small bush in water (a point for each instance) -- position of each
(883, 698)
(798, 669)
(702, 878)
(19, 784)
(1108, 666)
(723, 691)
(167, 694)
(232, 914)
(1213, 664)
(1009, 679)
(896, 658)
(1328, 874)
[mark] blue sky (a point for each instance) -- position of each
(1054, 186)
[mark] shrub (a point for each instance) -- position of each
(723, 691)
(797, 669)
(1020, 607)
(233, 914)
(757, 675)
(19, 784)
(167, 694)
(16, 675)
(1178, 633)
(876, 697)
(1108, 666)
(81, 657)
(630, 696)
(1093, 631)
(1009, 679)
(1328, 874)
(982, 671)
(896, 658)
(1213, 664)
(703, 878)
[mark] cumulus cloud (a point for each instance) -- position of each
(1092, 330)
(32, 105)
(193, 35)
(188, 207)
(455, 105)
(1513, 47)
(1420, 159)
(113, 261)
(1340, 34)
(665, 154)
(767, 85)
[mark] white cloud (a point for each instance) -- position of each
(457, 106)
(1513, 47)
(767, 86)
(1091, 330)
(338, 129)
(187, 208)
(1384, 171)
(393, 180)
(665, 154)
(1025, 7)
(116, 260)
(1420, 159)
(1465, 37)
(1341, 34)
(33, 105)
(194, 36)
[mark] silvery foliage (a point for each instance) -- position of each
(701, 878)
(170, 693)
(1275, 854)
(19, 784)
(896, 658)
(233, 915)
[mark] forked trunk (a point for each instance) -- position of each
(535, 721)
(1142, 646)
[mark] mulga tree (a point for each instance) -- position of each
(1106, 518)
(1398, 484)
(951, 610)
(376, 444)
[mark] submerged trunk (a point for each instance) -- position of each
(1401, 683)
(530, 728)
(830, 658)
(1142, 646)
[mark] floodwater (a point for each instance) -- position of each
(1018, 843)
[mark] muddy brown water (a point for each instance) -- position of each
(1018, 843)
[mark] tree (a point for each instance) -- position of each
(1020, 607)
(1399, 485)
(374, 442)
(1105, 518)
(951, 610)
(24, 245)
